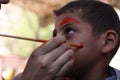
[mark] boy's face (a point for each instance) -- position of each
(75, 30)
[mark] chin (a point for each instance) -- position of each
(72, 73)
(75, 72)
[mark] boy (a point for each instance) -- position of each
(93, 24)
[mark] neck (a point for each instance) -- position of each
(98, 72)
(93, 75)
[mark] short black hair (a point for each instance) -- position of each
(100, 15)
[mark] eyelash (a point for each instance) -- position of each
(69, 31)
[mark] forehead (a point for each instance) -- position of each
(67, 17)
(76, 20)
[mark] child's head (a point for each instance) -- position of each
(94, 24)
(100, 16)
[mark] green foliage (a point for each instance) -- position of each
(28, 26)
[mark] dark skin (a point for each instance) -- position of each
(56, 58)
(3, 2)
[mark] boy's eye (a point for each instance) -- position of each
(69, 31)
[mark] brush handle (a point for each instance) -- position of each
(23, 38)
(36, 40)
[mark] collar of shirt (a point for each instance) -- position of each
(114, 74)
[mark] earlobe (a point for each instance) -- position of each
(110, 41)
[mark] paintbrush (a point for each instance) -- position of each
(36, 40)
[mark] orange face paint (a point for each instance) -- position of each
(68, 19)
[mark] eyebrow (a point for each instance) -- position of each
(64, 26)
(68, 19)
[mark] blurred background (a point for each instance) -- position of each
(32, 19)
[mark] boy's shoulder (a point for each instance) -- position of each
(117, 74)
(114, 74)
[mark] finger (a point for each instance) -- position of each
(4, 1)
(55, 54)
(65, 68)
(48, 59)
(64, 58)
(50, 45)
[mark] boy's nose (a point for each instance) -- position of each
(59, 36)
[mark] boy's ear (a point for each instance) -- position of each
(109, 41)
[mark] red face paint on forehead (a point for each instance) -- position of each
(68, 19)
